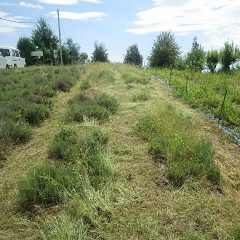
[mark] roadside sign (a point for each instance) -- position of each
(37, 54)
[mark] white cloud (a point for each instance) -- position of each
(79, 16)
(68, 2)
(29, 5)
(218, 20)
(7, 27)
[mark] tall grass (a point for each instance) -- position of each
(45, 185)
(173, 140)
(69, 147)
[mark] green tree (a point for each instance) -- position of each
(83, 58)
(165, 51)
(181, 63)
(44, 39)
(26, 46)
(74, 50)
(196, 57)
(100, 53)
(212, 59)
(229, 54)
(133, 56)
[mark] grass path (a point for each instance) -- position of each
(152, 208)
(144, 205)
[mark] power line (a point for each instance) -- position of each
(8, 20)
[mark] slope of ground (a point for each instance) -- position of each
(142, 203)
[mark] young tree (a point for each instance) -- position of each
(212, 60)
(44, 38)
(26, 46)
(196, 57)
(165, 51)
(229, 55)
(74, 50)
(83, 58)
(100, 53)
(133, 56)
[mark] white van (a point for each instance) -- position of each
(3, 60)
(12, 55)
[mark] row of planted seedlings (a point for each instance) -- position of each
(77, 173)
(26, 101)
(175, 141)
(217, 94)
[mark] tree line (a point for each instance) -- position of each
(165, 52)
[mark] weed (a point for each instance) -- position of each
(85, 85)
(100, 171)
(45, 185)
(109, 102)
(173, 138)
(64, 147)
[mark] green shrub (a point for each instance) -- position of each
(64, 84)
(17, 133)
(45, 185)
(98, 107)
(64, 147)
(109, 102)
(146, 127)
(85, 85)
(34, 114)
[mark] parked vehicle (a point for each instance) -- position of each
(12, 55)
(3, 60)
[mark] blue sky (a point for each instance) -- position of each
(119, 24)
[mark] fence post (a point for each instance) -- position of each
(224, 99)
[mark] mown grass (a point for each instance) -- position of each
(206, 91)
(113, 189)
(174, 141)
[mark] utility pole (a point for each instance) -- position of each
(60, 38)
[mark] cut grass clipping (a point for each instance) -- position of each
(173, 140)
(98, 107)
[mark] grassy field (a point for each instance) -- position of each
(207, 91)
(116, 157)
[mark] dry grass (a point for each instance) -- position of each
(142, 204)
